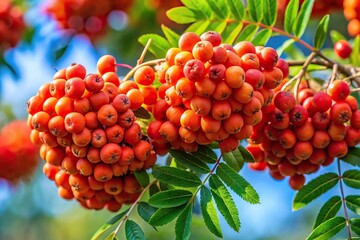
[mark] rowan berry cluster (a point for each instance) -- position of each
(87, 16)
(211, 92)
(89, 138)
(18, 155)
(12, 25)
(352, 14)
(296, 139)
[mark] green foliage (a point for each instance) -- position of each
(165, 215)
(234, 159)
(290, 15)
(133, 231)
(158, 46)
(353, 156)
(336, 36)
(177, 177)
(328, 210)
(170, 198)
(270, 12)
(314, 189)
(190, 161)
(255, 8)
(246, 154)
(236, 9)
(171, 36)
(142, 177)
(328, 229)
(237, 183)
(321, 30)
(108, 224)
(354, 57)
(353, 203)
(355, 225)
(352, 178)
(183, 223)
(145, 210)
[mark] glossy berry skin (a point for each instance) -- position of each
(342, 49)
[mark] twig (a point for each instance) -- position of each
(333, 74)
(133, 206)
(142, 56)
(355, 90)
(343, 200)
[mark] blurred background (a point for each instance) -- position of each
(36, 38)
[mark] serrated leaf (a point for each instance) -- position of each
(327, 229)
(159, 45)
(236, 8)
(247, 156)
(224, 202)
(171, 36)
(217, 26)
(231, 32)
(165, 215)
(142, 113)
(270, 12)
(314, 189)
(170, 198)
(321, 31)
(182, 15)
(290, 15)
(200, 7)
(262, 37)
(183, 223)
(328, 210)
(255, 8)
(354, 57)
(237, 183)
(336, 36)
(111, 236)
(303, 18)
(209, 213)
(352, 178)
(189, 161)
(234, 159)
(142, 177)
(355, 225)
(353, 156)
(284, 46)
(198, 27)
(219, 8)
(153, 189)
(133, 231)
(108, 224)
(145, 210)
(205, 154)
(177, 177)
(353, 203)
(247, 33)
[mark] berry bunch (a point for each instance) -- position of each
(18, 155)
(89, 138)
(87, 16)
(211, 92)
(352, 13)
(296, 139)
(12, 25)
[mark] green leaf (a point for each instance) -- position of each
(219, 8)
(236, 8)
(231, 32)
(352, 157)
(159, 45)
(303, 18)
(355, 225)
(234, 159)
(321, 30)
(352, 178)
(182, 15)
(224, 202)
(209, 213)
(111, 236)
(248, 32)
(217, 26)
(354, 57)
(327, 229)
(270, 12)
(142, 177)
(353, 203)
(171, 36)
(190, 161)
(237, 183)
(290, 15)
(60, 52)
(108, 224)
(336, 36)
(165, 215)
(142, 113)
(255, 8)
(198, 27)
(177, 177)
(133, 231)
(284, 46)
(153, 189)
(314, 189)
(247, 156)
(328, 210)
(145, 210)
(200, 7)
(170, 198)
(205, 154)
(183, 223)
(262, 37)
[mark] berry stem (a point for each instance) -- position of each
(343, 200)
(124, 65)
(206, 178)
(146, 48)
(133, 206)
